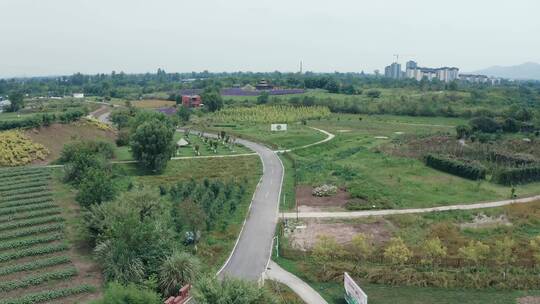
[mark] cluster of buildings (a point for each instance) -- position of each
(443, 74)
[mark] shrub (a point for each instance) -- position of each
(128, 294)
(229, 290)
(460, 168)
(484, 124)
(512, 176)
(463, 131)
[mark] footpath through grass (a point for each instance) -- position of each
(356, 160)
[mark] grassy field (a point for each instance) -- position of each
(454, 228)
(296, 135)
(38, 261)
(354, 159)
(333, 292)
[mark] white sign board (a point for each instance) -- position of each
(353, 293)
(278, 127)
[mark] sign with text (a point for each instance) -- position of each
(353, 293)
(278, 127)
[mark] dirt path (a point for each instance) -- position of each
(353, 214)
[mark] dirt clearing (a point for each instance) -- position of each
(308, 202)
(305, 238)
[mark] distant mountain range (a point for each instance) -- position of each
(527, 70)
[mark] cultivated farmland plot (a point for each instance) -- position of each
(35, 263)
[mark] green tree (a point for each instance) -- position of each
(133, 235)
(183, 114)
(475, 252)
(397, 252)
(17, 102)
(534, 245)
(116, 293)
(212, 99)
(177, 270)
(373, 94)
(230, 290)
(326, 249)
(362, 246)
(152, 144)
(95, 187)
(503, 253)
(433, 250)
(463, 131)
(263, 98)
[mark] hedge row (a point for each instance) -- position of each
(514, 176)
(37, 279)
(516, 159)
(31, 241)
(33, 252)
(45, 296)
(31, 222)
(456, 167)
(30, 201)
(38, 120)
(30, 214)
(31, 231)
(17, 209)
(33, 265)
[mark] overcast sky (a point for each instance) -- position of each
(53, 37)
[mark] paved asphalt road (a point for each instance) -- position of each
(252, 251)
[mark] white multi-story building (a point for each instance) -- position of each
(444, 74)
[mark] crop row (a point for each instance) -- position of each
(17, 209)
(31, 241)
(23, 185)
(25, 179)
(44, 296)
(30, 201)
(37, 279)
(30, 214)
(33, 252)
(33, 265)
(30, 231)
(31, 222)
(22, 174)
(19, 171)
(25, 190)
(19, 197)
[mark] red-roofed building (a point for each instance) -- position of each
(191, 101)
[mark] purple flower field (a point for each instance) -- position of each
(240, 92)
(167, 111)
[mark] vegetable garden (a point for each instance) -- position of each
(35, 265)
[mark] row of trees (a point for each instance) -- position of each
(432, 253)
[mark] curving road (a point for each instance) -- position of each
(252, 250)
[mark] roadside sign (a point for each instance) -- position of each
(278, 127)
(353, 293)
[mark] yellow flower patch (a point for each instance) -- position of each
(17, 150)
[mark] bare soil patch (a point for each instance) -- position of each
(305, 238)
(308, 202)
(55, 136)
